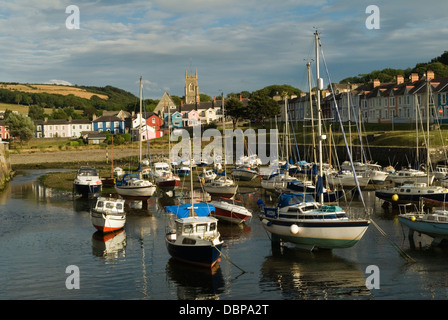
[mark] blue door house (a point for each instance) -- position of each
(112, 124)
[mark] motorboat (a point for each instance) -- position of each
(230, 210)
(244, 173)
(433, 224)
(108, 214)
(346, 178)
(131, 185)
(221, 187)
(412, 193)
(87, 182)
(163, 177)
(410, 176)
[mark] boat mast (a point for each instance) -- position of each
(140, 128)
(427, 128)
(319, 110)
(308, 65)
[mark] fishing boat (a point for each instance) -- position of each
(230, 210)
(108, 214)
(195, 238)
(87, 182)
(309, 224)
(433, 224)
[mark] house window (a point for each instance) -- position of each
(153, 120)
(443, 99)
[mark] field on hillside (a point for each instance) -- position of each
(52, 89)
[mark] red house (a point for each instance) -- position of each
(153, 120)
(4, 131)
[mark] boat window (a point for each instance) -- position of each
(188, 241)
(430, 191)
(408, 190)
(100, 204)
(119, 206)
(340, 215)
(295, 199)
(201, 228)
(212, 226)
(109, 205)
(188, 228)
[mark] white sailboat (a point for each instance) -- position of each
(309, 224)
(131, 186)
(222, 186)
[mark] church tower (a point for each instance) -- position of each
(191, 88)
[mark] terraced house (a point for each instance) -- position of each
(398, 102)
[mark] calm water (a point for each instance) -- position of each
(44, 231)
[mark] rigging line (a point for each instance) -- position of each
(357, 126)
(227, 258)
(343, 132)
(400, 251)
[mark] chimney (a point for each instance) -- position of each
(414, 77)
(376, 83)
(429, 75)
(400, 79)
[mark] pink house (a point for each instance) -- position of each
(191, 118)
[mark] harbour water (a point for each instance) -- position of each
(44, 232)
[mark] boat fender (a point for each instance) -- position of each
(266, 222)
(395, 197)
(413, 218)
(294, 229)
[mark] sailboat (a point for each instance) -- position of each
(221, 186)
(131, 186)
(310, 224)
(414, 192)
(195, 238)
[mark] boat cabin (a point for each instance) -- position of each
(110, 205)
(196, 227)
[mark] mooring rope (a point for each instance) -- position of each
(227, 258)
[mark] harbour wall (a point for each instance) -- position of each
(5, 165)
(395, 156)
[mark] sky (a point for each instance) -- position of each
(235, 45)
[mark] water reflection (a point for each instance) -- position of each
(194, 283)
(109, 245)
(303, 275)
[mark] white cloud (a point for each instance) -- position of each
(235, 45)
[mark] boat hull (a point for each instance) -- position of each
(200, 255)
(230, 212)
(244, 175)
(435, 230)
(108, 222)
(411, 197)
(86, 189)
(168, 184)
(323, 235)
(127, 191)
